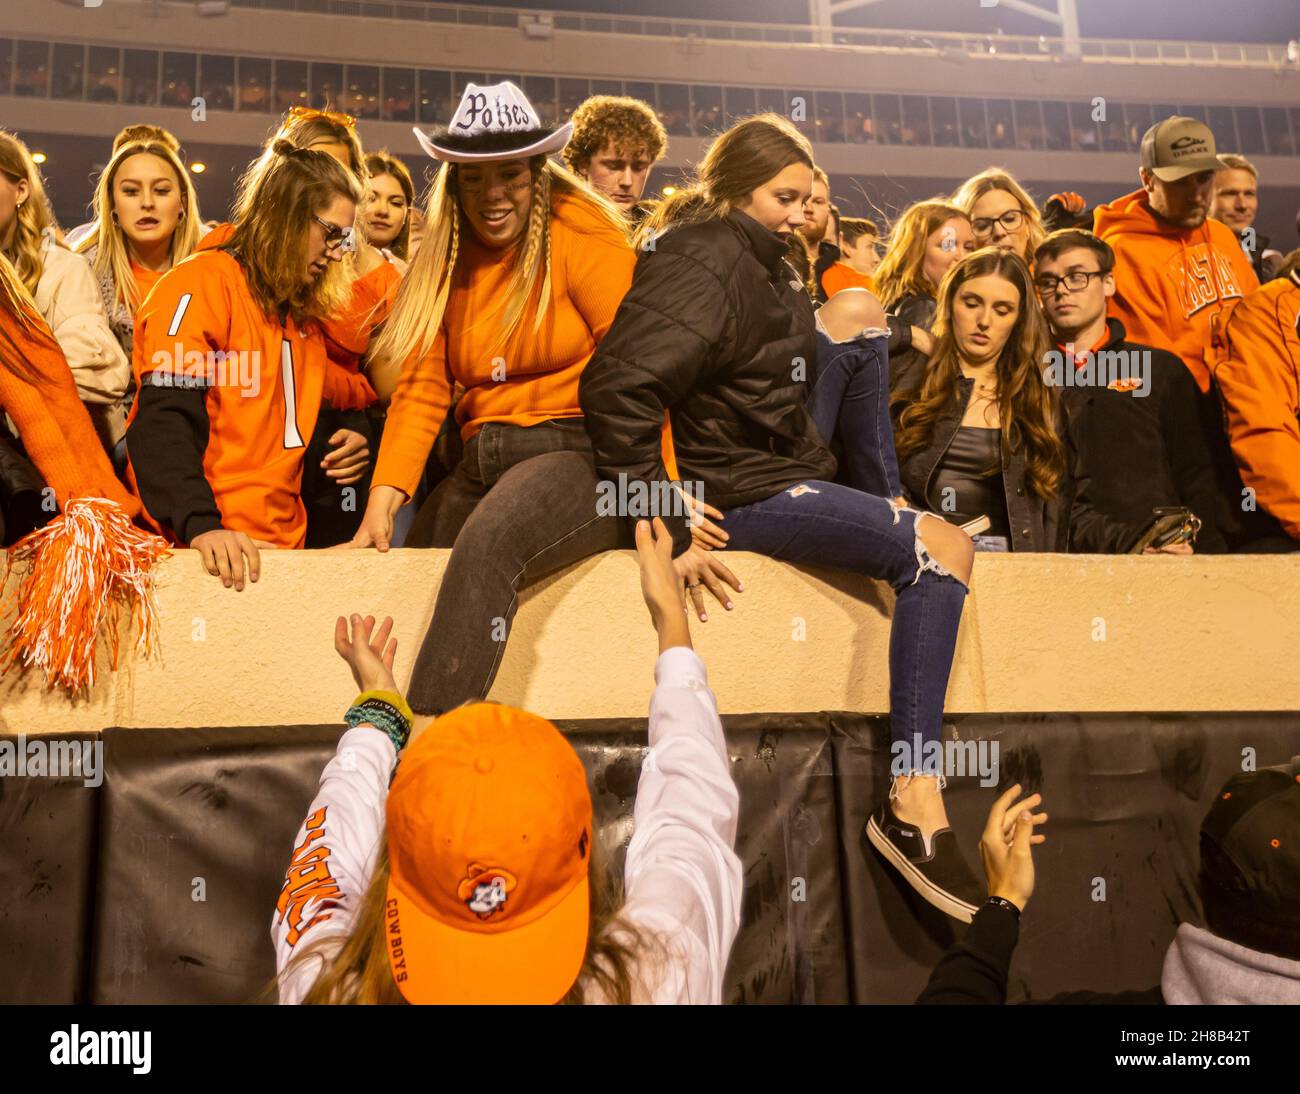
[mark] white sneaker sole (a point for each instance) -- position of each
(928, 890)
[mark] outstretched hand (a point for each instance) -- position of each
(369, 653)
(660, 584)
(1005, 846)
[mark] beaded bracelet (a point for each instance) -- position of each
(386, 711)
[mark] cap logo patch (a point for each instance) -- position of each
(485, 889)
(1186, 142)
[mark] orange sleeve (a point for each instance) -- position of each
(415, 415)
(52, 423)
(345, 389)
(1260, 385)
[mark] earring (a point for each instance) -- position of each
(180, 217)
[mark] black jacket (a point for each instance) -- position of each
(827, 255)
(717, 330)
(1035, 524)
(974, 970)
(1132, 454)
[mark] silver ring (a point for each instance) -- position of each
(695, 586)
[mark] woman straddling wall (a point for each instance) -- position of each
(716, 331)
(515, 285)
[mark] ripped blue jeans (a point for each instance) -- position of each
(829, 524)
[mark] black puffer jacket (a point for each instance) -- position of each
(717, 330)
(1035, 524)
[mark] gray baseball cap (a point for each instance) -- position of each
(1177, 147)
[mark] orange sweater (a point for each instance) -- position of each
(534, 377)
(1260, 385)
(52, 423)
(843, 276)
(1172, 284)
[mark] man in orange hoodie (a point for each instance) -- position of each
(1176, 271)
(1260, 384)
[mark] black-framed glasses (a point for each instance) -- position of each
(1010, 221)
(336, 238)
(1074, 281)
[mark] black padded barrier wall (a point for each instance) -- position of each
(98, 886)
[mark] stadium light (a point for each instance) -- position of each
(198, 167)
(38, 157)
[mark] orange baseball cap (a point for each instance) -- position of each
(489, 846)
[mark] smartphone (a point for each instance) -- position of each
(976, 526)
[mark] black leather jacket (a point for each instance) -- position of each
(1035, 524)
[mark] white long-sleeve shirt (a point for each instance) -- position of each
(682, 879)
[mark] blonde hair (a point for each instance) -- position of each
(268, 239)
(113, 254)
(994, 178)
(412, 327)
(15, 298)
(1232, 161)
(359, 972)
(146, 133)
(901, 271)
(753, 151)
(33, 217)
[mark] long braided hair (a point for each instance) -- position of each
(421, 303)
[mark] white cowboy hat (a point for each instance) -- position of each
(494, 122)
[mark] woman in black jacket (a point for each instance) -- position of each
(978, 430)
(717, 331)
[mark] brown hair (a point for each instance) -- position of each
(359, 971)
(854, 228)
(626, 124)
(1027, 404)
(293, 185)
(1068, 239)
(384, 163)
(739, 161)
(901, 271)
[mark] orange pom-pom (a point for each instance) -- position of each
(82, 569)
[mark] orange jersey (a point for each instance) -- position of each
(1172, 284)
(261, 381)
(843, 276)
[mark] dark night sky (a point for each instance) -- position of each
(1198, 20)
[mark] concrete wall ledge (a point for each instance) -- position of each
(1040, 634)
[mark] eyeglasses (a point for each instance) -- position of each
(336, 238)
(1074, 281)
(1010, 221)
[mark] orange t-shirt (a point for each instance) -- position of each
(145, 279)
(534, 376)
(843, 276)
(264, 387)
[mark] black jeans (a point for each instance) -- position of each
(521, 505)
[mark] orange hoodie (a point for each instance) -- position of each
(1172, 284)
(534, 377)
(1259, 381)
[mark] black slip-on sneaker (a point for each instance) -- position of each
(938, 873)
